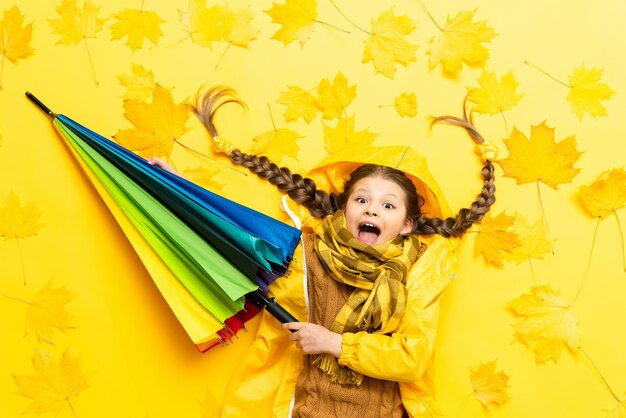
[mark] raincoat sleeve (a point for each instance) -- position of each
(404, 355)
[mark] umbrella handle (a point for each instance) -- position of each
(272, 307)
(39, 104)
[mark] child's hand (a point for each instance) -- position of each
(314, 339)
(159, 162)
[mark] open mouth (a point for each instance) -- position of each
(368, 233)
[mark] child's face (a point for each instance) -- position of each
(376, 211)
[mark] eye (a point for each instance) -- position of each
(388, 205)
(360, 200)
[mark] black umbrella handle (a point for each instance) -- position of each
(271, 306)
(40, 104)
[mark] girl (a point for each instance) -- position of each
(374, 269)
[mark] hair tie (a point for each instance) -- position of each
(486, 151)
(221, 146)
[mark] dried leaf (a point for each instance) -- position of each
(47, 312)
(495, 238)
(241, 32)
(140, 83)
(17, 221)
(406, 105)
(540, 158)
(387, 44)
(460, 41)
(55, 384)
(606, 194)
(333, 99)
(158, 125)
(344, 135)
(300, 103)
(533, 240)
(204, 26)
(297, 18)
(586, 92)
(203, 176)
(547, 325)
(493, 97)
(15, 38)
(489, 387)
(137, 25)
(76, 24)
(277, 143)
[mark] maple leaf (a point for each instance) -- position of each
(137, 25)
(606, 194)
(76, 24)
(203, 177)
(296, 17)
(47, 312)
(617, 409)
(204, 26)
(300, 103)
(17, 221)
(14, 37)
(333, 99)
(586, 92)
(460, 41)
(241, 32)
(387, 44)
(55, 384)
(277, 143)
(493, 97)
(158, 125)
(406, 105)
(489, 387)
(140, 83)
(533, 240)
(547, 325)
(344, 135)
(495, 239)
(540, 158)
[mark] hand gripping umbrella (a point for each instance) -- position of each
(222, 254)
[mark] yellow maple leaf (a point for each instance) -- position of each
(158, 125)
(540, 158)
(277, 143)
(617, 409)
(56, 382)
(17, 221)
(241, 32)
(387, 44)
(14, 37)
(489, 387)
(586, 92)
(533, 240)
(495, 238)
(203, 176)
(203, 25)
(493, 97)
(460, 41)
(137, 25)
(406, 105)
(333, 99)
(47, 312)
(296, 17)
(606, 194)
(76, 23)
(300, 103)
(547, 325)
(344, 135)
(140, 83)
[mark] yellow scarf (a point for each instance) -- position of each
(378, 274)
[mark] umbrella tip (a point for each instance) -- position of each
(39, 104)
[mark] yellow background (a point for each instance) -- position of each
(141, 360)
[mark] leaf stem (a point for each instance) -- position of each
(271, 117)
(142, 3)
(349, 21)
(19, 247)
(532, 269)
(506, 125)
(193, 151)
(428, 14)
(222, 56)
(545, 220)
(464, 403)
(321, 22)
(15, 298)
(621, 235)
(91, 66)
(600, 374)
(584, 280)
(2, 69)
(71, 407)
(530, 64)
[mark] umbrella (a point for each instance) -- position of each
(221, 253)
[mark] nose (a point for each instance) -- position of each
(371, 210)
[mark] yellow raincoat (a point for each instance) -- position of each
(264, 384)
